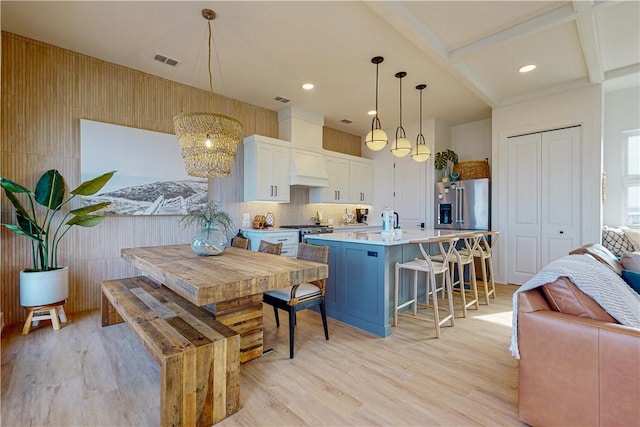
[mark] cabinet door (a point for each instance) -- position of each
(361, 294)
(280, 174)
(266, 172)
(338, 189)
(360, 185)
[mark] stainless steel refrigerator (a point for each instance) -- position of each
(463, 205)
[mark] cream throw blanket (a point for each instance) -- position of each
(594, 279)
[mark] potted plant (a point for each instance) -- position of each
(442, 160)
(216, 227)
(46, 282)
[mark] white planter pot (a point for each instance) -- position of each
(43, 287)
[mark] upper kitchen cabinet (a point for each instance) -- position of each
(350, 181)
(360, 181)
(266, 169)
(338, 189)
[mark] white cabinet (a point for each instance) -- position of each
(350, 181)
(266, 169)
(360, 181)
(338, 189)
(288, 238)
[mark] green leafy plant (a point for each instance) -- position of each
(40, 227)
(209, 215)
(443, 158)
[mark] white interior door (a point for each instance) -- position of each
(523, 239)
(410, 193)
(544, 200)
(561, 193)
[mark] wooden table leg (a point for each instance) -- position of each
(244, 315)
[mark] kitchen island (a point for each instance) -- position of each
(361, 274)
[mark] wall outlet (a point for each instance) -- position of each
(246, 217)
(330, 221)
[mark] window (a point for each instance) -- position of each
(632, 179)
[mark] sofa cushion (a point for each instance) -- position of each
(616, 240)
(631, 261)
(632, 278)
(565, 297)
(601, 254)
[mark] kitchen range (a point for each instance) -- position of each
(305, 230)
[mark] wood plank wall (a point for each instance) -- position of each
(45, 91)
(341, 142)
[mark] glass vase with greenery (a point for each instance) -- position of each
(214, 224)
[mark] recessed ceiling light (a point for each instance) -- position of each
(372, 113)
(307, 86)
(527, 68)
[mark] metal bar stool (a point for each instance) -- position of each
(446, 246)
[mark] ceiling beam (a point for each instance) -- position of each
(549, 19)
(588, 35)
(424, 38)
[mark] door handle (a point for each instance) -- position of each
(272, 191)
(276, 191)
(561, 232)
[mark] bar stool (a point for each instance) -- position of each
(485, 248)
(446, 246)
(463, 258)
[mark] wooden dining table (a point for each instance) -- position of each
(230, 284)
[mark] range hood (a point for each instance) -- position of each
(303, 129)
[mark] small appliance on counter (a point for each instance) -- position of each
(361, 215)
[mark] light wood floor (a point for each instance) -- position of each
(86, 375)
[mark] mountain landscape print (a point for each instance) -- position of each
(150, 178)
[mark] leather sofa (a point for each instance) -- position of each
(578, 366)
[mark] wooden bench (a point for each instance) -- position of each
(199, 357)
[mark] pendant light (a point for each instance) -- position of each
(422, 151)
(208, 142)
(376, 140)
(401, 146)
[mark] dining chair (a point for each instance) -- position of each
(240, 242)
(446, 247)
(301, 296)
(483, 253)
(270, 248)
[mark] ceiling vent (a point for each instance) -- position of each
(281, 99)
(165, 60)
(346, 121)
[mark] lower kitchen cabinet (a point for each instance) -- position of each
(288, 238)
(360, 283)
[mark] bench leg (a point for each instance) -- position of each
(109, 314)
(195, 391)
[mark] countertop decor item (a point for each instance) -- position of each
(269, 219)
(45, 231)
(422, 151)
(441, 162)
(216, 226)
(208, 141)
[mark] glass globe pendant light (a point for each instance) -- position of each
(422, 151)
(401, 146)
(377, 139)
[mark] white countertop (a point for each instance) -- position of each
(376, 237)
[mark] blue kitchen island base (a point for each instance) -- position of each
(360, 283)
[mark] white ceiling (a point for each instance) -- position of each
(467, 52)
